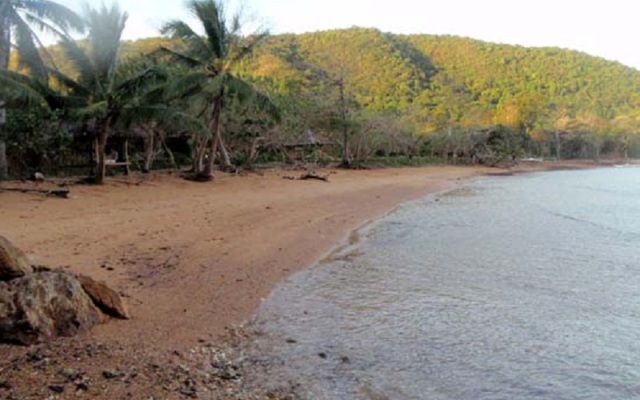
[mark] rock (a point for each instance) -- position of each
(13, 262)
(107, 299)
(43, 306)
(56, 388)
(69, 373)
(110, 374)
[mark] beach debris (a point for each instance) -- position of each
(308, 175)
(61, 192)
(37, 177)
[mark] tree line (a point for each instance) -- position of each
(211, 96)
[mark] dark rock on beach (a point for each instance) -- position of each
(43, 306)
(13, 262)
(38, 305)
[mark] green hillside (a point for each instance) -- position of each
(441, 81)
(372, 95)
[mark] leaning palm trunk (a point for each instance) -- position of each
(163, 142)
(5, 46)
(4, 165)
(215, 141)
(225, 160)
(199, 150)
(5, 43)
(149, 148)
(101, 145)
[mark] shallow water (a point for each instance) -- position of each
(524, 287)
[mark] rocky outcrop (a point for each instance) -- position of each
(13, 262)
(37, 304)
(45, 305)
(105, 298)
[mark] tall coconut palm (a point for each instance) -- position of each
(104, 94)
(212, 57)
(17, 20)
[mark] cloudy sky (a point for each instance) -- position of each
(603, 28)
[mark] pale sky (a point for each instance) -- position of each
(607, 29)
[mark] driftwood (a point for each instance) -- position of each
(307, 176)
(62, 193)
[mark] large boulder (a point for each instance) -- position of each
(13, 262)
(45, 305)
(107, 299)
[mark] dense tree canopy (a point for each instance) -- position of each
(356, 94)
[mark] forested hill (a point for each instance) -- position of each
(438, 80)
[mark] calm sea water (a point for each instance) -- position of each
(524, 287)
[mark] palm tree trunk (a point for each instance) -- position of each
(215, 141)
(125, 149)
(5, 43)
(100, 150)
(4, 165)
(346, 159)
(5, 47)
(225, 161)
(198, 156)
(149, 149)
(167, 150)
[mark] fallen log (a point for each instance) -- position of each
(313, 175)
(307, 176)
(62, 193)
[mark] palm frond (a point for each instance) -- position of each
(95, 110)
(183, 122)
(139, 83)
(130, 116)
(69, 83)
(179, 57)
(215, 86)
(50, 28)
(82, 65)
(264, 103)
(28, 55)
(55, 12)
(16, 89)
(197, 45)
(105, 31)
(210, 14)
(245, 93)
(186, 85)
(23, 90)
(247, 47)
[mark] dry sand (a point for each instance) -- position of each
(195, 259)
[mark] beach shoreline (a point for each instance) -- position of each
(194, 260)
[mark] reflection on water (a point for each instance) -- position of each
(525, 287)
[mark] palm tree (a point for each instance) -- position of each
(103, 93)
(17, 17)
(212, 57)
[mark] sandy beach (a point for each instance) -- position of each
(193, 260)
